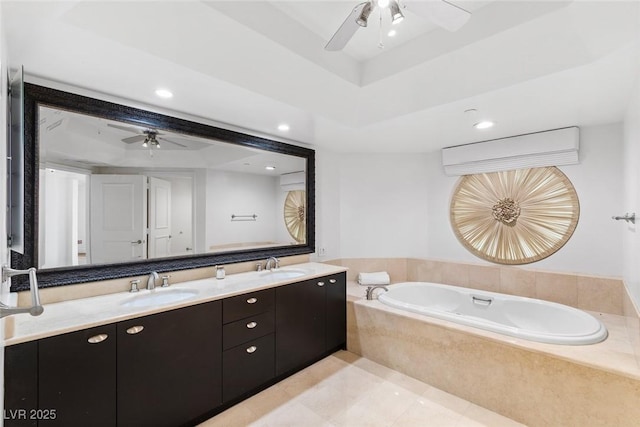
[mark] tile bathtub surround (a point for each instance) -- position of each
(633, 321)
(530, 385)
(348, 390)
(601, 294)
(106, 287)
(396, 267)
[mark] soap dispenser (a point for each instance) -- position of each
(220, 272)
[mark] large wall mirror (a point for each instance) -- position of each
(114, 191)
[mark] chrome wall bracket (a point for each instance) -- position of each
(628, 218)
(36, 308)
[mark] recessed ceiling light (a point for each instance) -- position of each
(485, 124)
(164, 93)
(392, 33)
(383, 3)
(270, 168)
(283, 127)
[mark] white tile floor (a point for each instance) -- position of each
(347, 390)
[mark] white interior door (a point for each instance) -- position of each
(159, 218)
(118, 218)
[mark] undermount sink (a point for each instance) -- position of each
(284, 273)
(160, 296)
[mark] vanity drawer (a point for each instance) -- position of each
(247, 329)
(247, 366)
(245, 305)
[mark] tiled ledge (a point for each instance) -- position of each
(586, 292)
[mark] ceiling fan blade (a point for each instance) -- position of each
(125, 128)
(346, 30)
(172, 142)
(441, 12)
(133, 139)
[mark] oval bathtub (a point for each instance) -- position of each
(520, 317)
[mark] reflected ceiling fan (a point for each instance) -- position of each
(441, 12)
(148, 137)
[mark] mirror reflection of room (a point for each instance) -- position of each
(117, 192)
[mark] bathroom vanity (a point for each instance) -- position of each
(177, 364)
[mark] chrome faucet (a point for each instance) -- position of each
(370, 290)
(151, 280)
(269, 262)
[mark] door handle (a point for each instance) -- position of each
(135, 330)
(97, 338)
(137, 242)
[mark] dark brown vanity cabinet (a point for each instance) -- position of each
(248, 359)
(169, 366)
(310, 321)
(77, 378)
(158, 370)
(177, 367)
(66, 380)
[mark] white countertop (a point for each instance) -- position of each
(74, 315)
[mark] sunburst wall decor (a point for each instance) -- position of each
(514, 217)
(295, 214)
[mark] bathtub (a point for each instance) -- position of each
(519, 317)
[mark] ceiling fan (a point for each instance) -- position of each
(148, 137)
(441, 12)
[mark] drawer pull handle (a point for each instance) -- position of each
(252, 349)
(135, 330)
(252, 325)
(97, 338)
(320, 283)
(332, 281)
(252, 300)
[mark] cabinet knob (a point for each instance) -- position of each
(252, 349)
(97, 338)
(252, 325)
(332, 281)
(320, 283)
(135, 330)
(252, 300)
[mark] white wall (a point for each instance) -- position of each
(398, 206)
(230, 193)
(383, 205)
(59, 218)
(631, 237)
(328, 172)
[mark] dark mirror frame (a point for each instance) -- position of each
(35, 95)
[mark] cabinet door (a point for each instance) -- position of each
(247, 366)
(336, 311)
(169, 366)
(300, 324)
(77, 378)
(20, 384)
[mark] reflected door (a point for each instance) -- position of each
(159, 218)
(118, 218)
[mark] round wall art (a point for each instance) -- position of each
(295, 215)
(514, 217)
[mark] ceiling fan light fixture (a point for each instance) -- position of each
(364, 15)
(396, 14)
